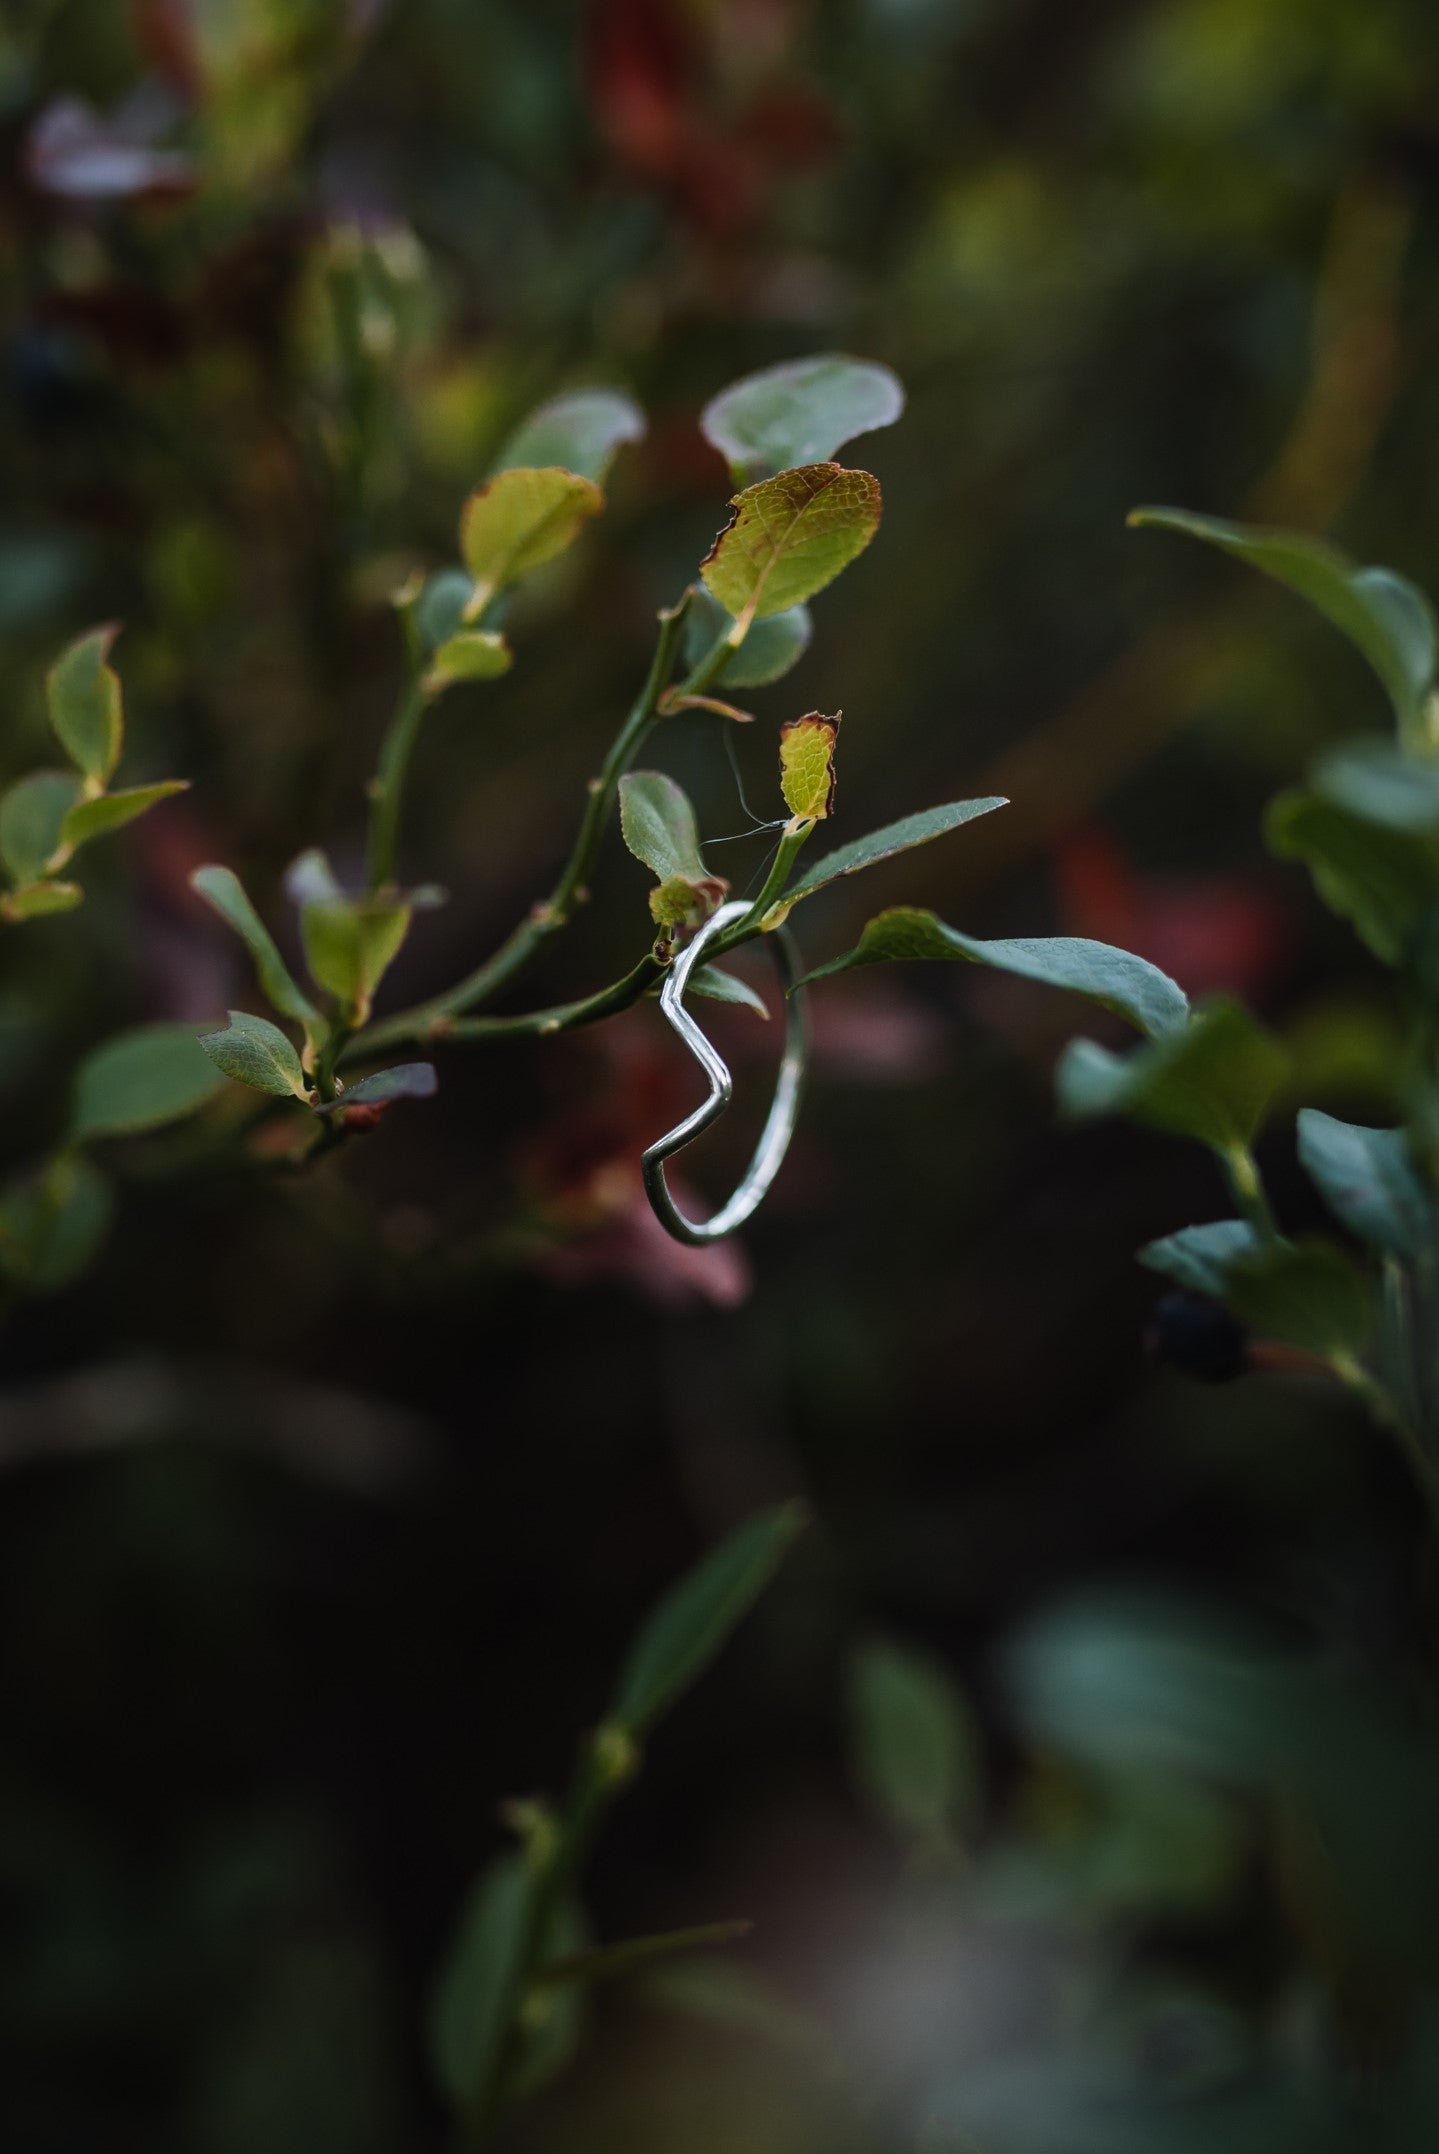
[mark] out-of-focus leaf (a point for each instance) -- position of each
(86, 156)
(1377, 781)
(519, 521)
(806, 765)
(474, 655)
(32, 821)
(1201, 1259)
(697, 1616)
(581, 432)
(1306, 1293)
(36, 901)
(1381, 613)
(257, 1053)
(801, 412)
(310, 880)
(478, 1988)
(1141, 1681)
(350, 945)
(1117, 979)
(112, 811)
(86, 709)
(721, 986)
(407, 1080)
(223, 890)
(52, 1224)
(140, 1080)
(442, 605)
(882, 844)
(767, 652)
(1211, 1079)
(1384, 882)
(789, 537)
(658, 825)
(1369, 1181)
(912, 1742)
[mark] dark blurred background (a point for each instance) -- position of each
(330, 1503)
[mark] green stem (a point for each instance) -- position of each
(388, 785)
(327, 1061)
(1241, 1171)
(554, 912)
(562, 1016)
(605, 1765)
(622, 993)
(796, 833)
(1387, 1412)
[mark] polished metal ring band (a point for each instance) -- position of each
(784, 1109)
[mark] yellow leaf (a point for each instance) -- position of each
(806, 764)
(790, 536)
(519, 521)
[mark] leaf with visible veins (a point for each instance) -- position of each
(789, 537)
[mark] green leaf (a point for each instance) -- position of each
(806, 765)
(658, 825)
(767, 653)
(912, 1742)
(1202, 1259)
(680, 902)
(1386, 884)
(32, 820)
(1369, 1180)
(86, 708)
(257, 1053)
(801, 412)
(883, 844)
(1383, 615)
(310, 880)
(1117, 979)
(350, 944)
(52, 1224)
(223, 890)
(519, 521)
(140, 1080)
(1377, 781)
(474, 655)
(112, 811)
(581, 431)
(1211, 1080)
(36, 901)
(442, 606)
(789, 537)
(1306, 1294)
(407, 1080)
(721, 986)
(479, 1986)
(696, 1618)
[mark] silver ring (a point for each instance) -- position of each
(784, 1108)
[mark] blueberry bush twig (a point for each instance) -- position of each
(317, 1050)
(509, 1999)
(1366, 824)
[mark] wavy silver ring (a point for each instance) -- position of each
(784, 1108)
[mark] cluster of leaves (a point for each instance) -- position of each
(798, 519)
(47, 817)
(1366, 824)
